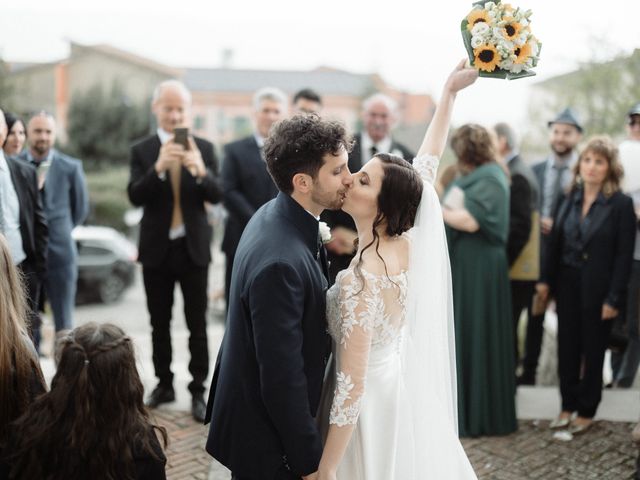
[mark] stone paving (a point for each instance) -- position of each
(604, 453)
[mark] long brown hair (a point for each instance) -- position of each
(93, 421)
(398, 202)
(18, 362)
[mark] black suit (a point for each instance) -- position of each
(267, 381)
(166, 261)
(338, 218)
(605, 253)
(247, 186)
(34, 232)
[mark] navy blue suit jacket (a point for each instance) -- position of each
(268, 377)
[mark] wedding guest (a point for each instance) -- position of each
(307, 101)
(93, 422)
(65, 201)
(586, 270)
(172, 183)
(523, 244)
(23, 224)
(379, 116)
(476, 214)
(16, 135)
(625, 365)
(246, 182)
(554, 178)
(21, 380)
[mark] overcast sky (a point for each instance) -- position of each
(411, 43)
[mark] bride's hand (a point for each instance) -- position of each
(461, 77)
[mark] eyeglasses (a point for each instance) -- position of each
(634, 121)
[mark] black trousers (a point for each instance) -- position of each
(521, 295)
(33, 286)
(159, 284)
(582, 341)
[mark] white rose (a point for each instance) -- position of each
(325, 232)
(476, 42)
(506, 64)
(517, 68)
(480, 28)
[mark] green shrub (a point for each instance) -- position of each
(108, 196)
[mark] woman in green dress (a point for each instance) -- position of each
(476, 213)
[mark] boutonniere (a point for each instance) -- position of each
(325, 232)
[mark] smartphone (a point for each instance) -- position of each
(181, 137)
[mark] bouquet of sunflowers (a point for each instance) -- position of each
(499, 41)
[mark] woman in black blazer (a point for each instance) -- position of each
(587, 270)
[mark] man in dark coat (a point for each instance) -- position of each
(268, 377)
(172, 183)
(523, 244)
(23, 224)
(246, 182)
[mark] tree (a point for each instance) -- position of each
(601, 91)
(102, 126)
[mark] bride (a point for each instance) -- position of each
(393, 414)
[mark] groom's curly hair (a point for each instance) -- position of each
(298, 145)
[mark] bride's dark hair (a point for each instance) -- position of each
(398, 202)
(93, 422)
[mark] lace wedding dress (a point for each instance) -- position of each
(395, 361)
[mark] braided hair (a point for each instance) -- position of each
(93, 422)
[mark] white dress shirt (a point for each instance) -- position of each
(10, 214)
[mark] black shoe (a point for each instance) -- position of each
(198, 408)
(161, 395)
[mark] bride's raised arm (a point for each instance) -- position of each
(436, 137)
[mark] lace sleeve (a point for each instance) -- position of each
(427, 167)
(357, 308)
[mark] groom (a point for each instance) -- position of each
(268, 377)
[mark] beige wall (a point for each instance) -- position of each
(34, 89)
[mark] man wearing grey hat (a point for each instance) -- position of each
(554, 176)
(625, 364)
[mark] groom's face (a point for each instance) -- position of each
(332, 182)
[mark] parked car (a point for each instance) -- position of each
(106, 263)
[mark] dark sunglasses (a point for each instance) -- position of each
(634, 121)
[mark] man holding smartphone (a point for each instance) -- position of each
(172, 175)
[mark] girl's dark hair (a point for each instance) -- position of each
(10, 119)
(93, 421)
(298, 145)
(398, 202)
(473, 146)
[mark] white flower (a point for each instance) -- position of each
(506, 64)
(517, 68)
(325, 232)
(480, 28)
(476, 42)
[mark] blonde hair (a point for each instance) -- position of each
(602, 145)
(17, 360)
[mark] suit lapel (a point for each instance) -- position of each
(20, 186)
(596, 221)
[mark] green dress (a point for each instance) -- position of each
(482, 307)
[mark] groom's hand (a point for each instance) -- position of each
(311, 476)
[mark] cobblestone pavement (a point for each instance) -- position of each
(604, 453)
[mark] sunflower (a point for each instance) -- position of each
(486, 58)
(512, 29)
(522, 53)
(477, 16)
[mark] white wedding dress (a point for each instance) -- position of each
(395, 362)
